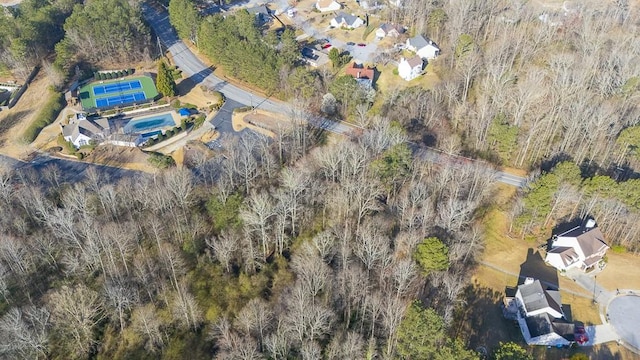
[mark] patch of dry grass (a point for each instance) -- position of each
(388, 81)
(14, 121)
(622, 272)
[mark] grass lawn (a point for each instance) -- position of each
(88, 98)
(388, 81)
(482, 324)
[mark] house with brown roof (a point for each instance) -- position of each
(393, 30)
(410, 69)
(363, 75)
(582, 247)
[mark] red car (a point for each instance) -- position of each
(362, 44)
(580, 335)
(326, 46)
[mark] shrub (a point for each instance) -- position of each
(242, 109)
(126, 72)
(79, 155)
(618, 249)
(46, 116)
(161, 161)
(395, 72)
(199, 121)
(169, 133)
(67, 146)
(109, 75)
(96, 75)
(175, 103)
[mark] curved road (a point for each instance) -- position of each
(190, 65)
(195, 69)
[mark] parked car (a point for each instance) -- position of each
(350, 43)
(326, 46)
(362, 44)
(581, 335)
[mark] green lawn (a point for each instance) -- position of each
(88, 99)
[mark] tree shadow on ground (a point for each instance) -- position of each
(535, 267)
(563, 227)
(11, 120)
(480, 323)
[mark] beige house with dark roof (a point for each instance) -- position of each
(410, 69)
(582, 247)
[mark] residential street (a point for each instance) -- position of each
(192, 66)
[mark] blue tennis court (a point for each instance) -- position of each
(117, 87)
(120, 99)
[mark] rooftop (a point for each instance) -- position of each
(591, 240)
(358, 71)
(536, 298)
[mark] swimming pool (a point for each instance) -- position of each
(149, 123)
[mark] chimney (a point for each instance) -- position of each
(528, 281)
(590, 224)
(358, 75)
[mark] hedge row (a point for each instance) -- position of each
(113, 74)
(167, 134)
(46, 116)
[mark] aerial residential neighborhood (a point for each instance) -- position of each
(319, 179)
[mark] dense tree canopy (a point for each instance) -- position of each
(29, 33)
(275, 248)
(104, 30)
(184, 17)
(421, 335)
(235, 43)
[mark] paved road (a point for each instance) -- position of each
(192, 66)
(71, 171)
(624, 316)
(196, 70)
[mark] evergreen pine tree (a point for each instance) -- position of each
(164, 80)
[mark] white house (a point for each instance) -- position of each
(393, 30)
(327, 5)
(410, 69)
(582, 247)
(346, 21)
(425, 48)
(80, 130)
(539, 314)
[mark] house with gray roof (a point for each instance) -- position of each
(81, 130)
(261, 12)
(539, 314)
(423, 47)
(344, 20)
(582, 247)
